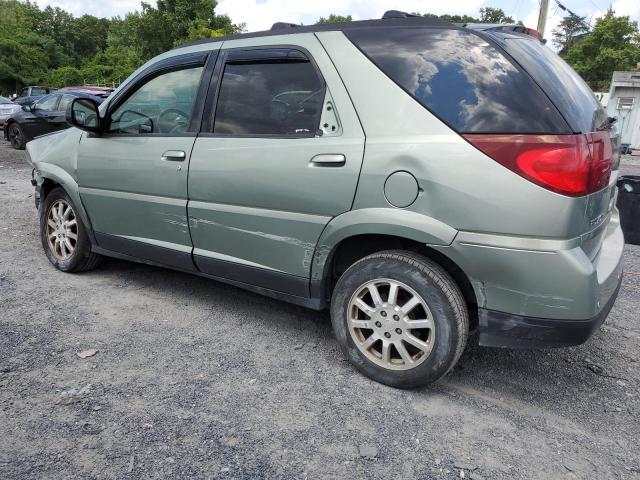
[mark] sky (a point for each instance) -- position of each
(261, 14)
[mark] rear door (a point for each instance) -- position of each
(278, 157)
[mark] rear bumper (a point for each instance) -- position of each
(499, 329)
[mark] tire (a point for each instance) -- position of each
(66, 253)
(440, 319)
(16, 136)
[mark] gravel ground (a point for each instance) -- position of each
(196, 379)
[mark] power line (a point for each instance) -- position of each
(584, 23)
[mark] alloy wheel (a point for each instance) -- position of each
(62, 230)
(391, 324)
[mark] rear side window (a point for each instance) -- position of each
(461, 78)
(65, 101)
(269, 98)
(565, 87)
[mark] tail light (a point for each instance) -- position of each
(573, 165)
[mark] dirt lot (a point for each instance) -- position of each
(195, 379)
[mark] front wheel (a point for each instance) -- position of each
(400, 318)
(64, 238)
(16, 136)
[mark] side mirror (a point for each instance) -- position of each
(27, 107)
(83, 114)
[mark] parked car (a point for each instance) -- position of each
(7, 108)
(420, 180)
(46, 115)
(28, 95)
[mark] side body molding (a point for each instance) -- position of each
(378, 221)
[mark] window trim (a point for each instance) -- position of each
(211, 102)
(176, 63)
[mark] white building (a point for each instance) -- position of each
(624, 104)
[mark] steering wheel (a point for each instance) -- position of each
(309, 97)
(280, 110)
(172, 120)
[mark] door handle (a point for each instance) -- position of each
(328, 160)
(173, 156)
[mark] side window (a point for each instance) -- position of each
(163, 105)
(470, 84)
(48, 103)
(38, 91)
(64, 102)
(269, 98)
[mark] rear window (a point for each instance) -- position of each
(565, 87)
(461, 78)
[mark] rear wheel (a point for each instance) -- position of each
(64, 237)
(400, 318)
(16, 136)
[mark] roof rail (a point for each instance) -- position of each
(283, 25)
(398, 14)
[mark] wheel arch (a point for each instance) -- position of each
(343, 243)
(51, 176)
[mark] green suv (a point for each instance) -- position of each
(421, 180)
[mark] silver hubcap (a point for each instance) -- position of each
(391, 324)
(62, 229)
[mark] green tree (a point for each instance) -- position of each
(613, 44)
(487, 15)
(454, 18)
(567, 30)
(494, 15)
(334, 19)
(63, 76)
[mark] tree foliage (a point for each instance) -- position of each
(487, 15)
(613, 44)
(50, 46)
(567, 31)
(334, 19)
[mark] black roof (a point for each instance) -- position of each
(283, 28)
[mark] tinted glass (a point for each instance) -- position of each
(64, 102)
(48, 103)
(565, 87)
(162, 105)
(461, 78)
(280, 98)
(38, 91)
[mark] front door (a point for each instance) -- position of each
(133, 178)
(280, 158)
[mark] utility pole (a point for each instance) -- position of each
(542, 17)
